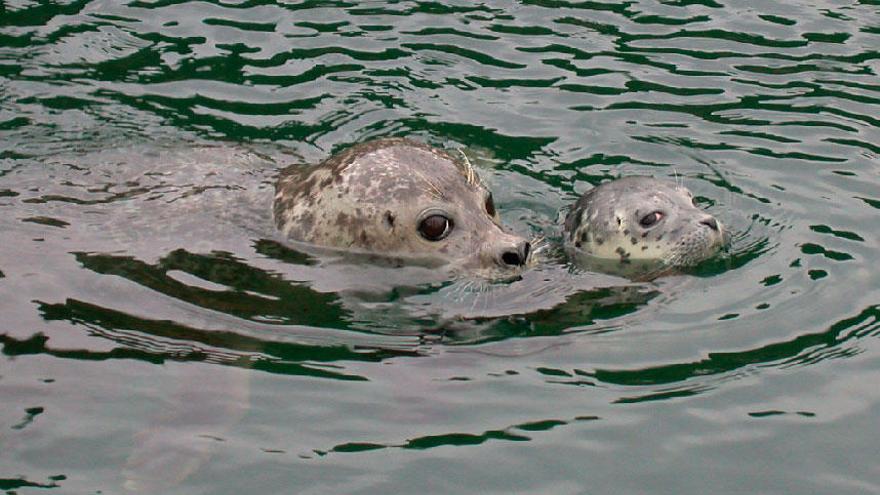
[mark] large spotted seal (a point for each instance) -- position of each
(398, 197)
(642, 225)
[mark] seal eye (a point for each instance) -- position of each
(490, 205)
(694, 201)
(435, 227)
(650, 219)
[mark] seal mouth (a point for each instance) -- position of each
(698, 247)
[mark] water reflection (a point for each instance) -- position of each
(378, 298)
(159, 340)
(767, 110)
(237, 288)
(684, 379)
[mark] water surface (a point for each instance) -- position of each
(156, 335)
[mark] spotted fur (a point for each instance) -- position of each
(372, 197)
(606, 223)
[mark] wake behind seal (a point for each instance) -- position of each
(398, 197)
(640, 226)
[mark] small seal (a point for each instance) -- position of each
(644, 225)
(399, 198)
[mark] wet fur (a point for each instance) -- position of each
(604, 225)
(370, 198)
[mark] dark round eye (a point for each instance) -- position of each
(435, 227)
(694, 201)
(490, 205)
(650, 219)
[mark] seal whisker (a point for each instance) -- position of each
(461, 291)
(474, 301)
(434, 189)
(538, 244)
(469, 171)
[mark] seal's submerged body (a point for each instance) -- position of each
(642, 225)
(399, 198)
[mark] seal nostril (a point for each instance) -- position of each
(511, 258)
(711, 223)
(517, 257)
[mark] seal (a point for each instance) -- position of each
(399, 198)
(644, 225)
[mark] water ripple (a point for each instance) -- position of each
(125, 241)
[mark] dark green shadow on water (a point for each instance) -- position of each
(17, 483)
(511, 433)
(249, 293)
(802, 350)
(158, 341)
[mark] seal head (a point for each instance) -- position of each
(641, 220)
(399, 198)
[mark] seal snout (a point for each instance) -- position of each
(710, 222)
(516, 256)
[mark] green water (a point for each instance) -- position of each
(156, 336)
